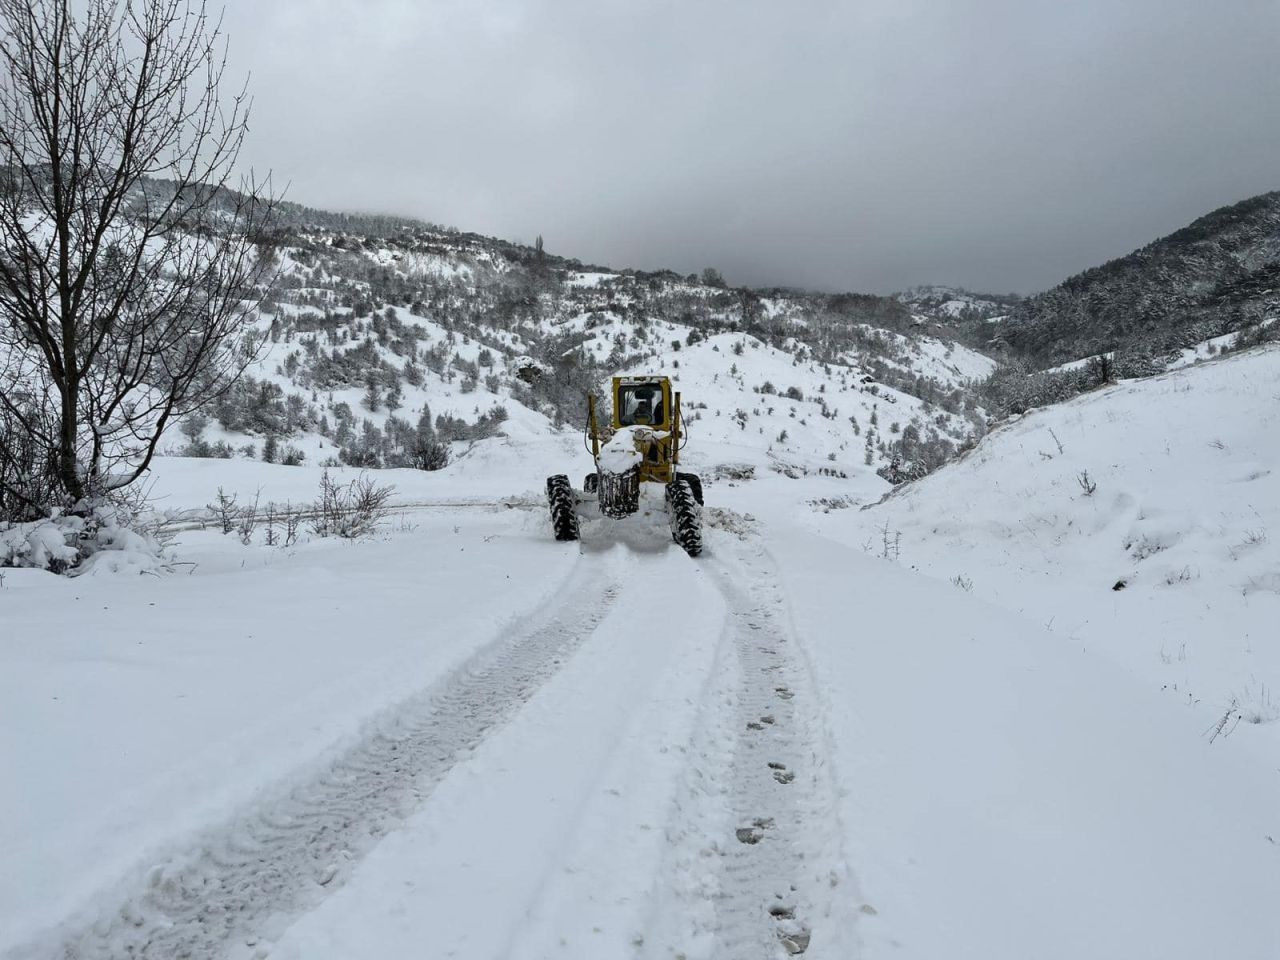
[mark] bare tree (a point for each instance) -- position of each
(128, 268)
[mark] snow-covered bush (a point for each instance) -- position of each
(107, 538)
(45, 544)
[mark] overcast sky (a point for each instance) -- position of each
(870, 145)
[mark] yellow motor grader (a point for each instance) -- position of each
(643, 446)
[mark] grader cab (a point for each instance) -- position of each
(642, 446)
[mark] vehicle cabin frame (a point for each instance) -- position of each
(648, 402)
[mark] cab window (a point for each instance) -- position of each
(640, 404)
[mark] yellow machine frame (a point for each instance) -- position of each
(660, 449)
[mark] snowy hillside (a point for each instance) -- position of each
(406, 347)
(1214, 276)
(1139, 521)
(948, 305)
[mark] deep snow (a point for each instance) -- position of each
(460, 738)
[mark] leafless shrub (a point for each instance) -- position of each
(1229, 716)
(132, 508)
(1257, 705)
(248, 520)
(349, 511)
(292, 523)
(225, 511)
(890, 545)
(269, 521)
(963, 582)
(404, 525)
(1086, 484)
(1252, 538)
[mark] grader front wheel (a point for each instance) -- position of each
(685, 517)
(695, 485)
(560, 500)
(619, 493)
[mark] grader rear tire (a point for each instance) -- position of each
(685, 517)
(564, 522)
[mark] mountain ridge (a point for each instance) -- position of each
(1217, 275)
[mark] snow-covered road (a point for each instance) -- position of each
(272, 860)
(730, 757)
(626, 771)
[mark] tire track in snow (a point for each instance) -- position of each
(758, 837)
(245, 880)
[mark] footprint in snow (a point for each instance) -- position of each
(794, 939)
(754, 833)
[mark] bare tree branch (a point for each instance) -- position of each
(129, 272)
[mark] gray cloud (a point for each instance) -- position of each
(867, 146)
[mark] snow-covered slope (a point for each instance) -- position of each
(1140, 521)
(1010, 792)
(1214, 276)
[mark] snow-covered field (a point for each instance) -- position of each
(459, 738)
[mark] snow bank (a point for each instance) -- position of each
(1010, 793)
